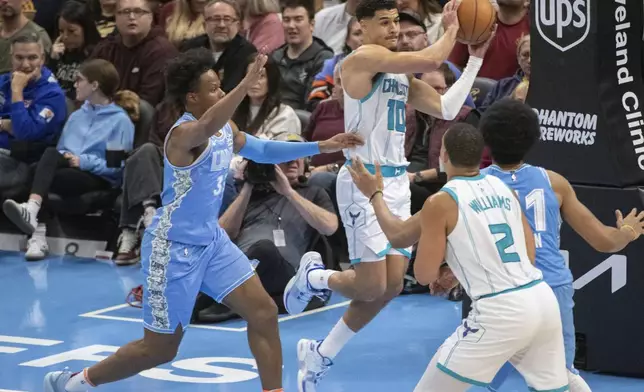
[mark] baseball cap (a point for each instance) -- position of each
(411, 16)
(289, 137)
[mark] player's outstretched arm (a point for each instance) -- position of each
(271, 151)
(424, 98)
(401, 234)
(438, 218)
(193, 134)
(602, 238)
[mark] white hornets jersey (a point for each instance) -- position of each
(381, 120)
(487, 250)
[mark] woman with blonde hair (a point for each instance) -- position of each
(183, 20)
(79, 164)
(263, 25)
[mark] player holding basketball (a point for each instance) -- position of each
(377, 85)
(184, 250)
(510, 129)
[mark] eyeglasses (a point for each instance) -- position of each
(137, 12)
(226, 20)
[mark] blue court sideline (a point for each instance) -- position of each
(69, 312)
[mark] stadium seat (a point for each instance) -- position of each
(304, 117)
(142, 130)
(480, 89)
(71, 107)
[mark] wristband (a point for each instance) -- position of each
(632, 230)
(374, 195)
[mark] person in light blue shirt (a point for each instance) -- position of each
(79, 164)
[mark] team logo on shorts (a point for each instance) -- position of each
(471, 331)
(354, 216)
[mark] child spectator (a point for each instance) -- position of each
(78, 164)
(77, 36)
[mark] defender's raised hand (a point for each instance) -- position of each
(256, 69)
(633, 222)
(340, 142)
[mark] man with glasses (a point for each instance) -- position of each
(230, 50)
(139, 52)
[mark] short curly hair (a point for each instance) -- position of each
(510, 129)
(183, 72)
(464, 145)
(368, 8)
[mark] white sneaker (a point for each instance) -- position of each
(312, 366)
(298, 292)
(56, 381)
(19, 214)
(37, 248)
(128, 251)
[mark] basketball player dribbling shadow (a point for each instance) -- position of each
(378, 84)
(510, 129)
(184, 250)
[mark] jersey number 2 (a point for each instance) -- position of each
(396, 119)
(506, 241)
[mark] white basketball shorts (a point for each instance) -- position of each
(522, 327)
(367, 242)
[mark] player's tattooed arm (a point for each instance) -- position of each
(438, 218)
(602, 238)
(401, 234)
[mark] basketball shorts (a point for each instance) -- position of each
(367, 242)
(564, 296)
(175, 273)
(522, 327)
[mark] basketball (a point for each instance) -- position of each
(476, 18)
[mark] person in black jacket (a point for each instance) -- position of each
(303, 55)
(231, 50)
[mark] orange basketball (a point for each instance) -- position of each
(476, 18)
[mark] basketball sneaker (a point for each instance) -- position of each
(298, 292)
(312, 365)
(56, 381)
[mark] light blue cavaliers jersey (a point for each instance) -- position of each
(380, 118)
(487, 250)
(192, 195)
(542, 209)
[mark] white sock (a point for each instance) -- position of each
(338, 338)
(319, 279)
(79, 383)
(576, 383)
(33, 207)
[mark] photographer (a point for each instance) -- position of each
(274, 219)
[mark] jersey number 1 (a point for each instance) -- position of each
(396, 119)
(506, 241)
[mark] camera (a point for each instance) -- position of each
(259, 173)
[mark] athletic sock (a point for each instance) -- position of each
(33, 207)
(79, 382)
(338, 338)
(319, 278)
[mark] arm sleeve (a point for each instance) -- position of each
(454, 99)
(41, 120)
(269, 151)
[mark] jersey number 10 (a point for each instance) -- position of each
(396, 119)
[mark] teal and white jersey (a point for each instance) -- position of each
(380, 119)
(487, 250)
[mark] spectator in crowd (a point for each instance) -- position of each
(185, 20)
(77, 37)
(230, 50)
(47, 14)
(424, 140)
(78, 164)
(105, 18)
(32, 110)
(430, 14)
(513, 22)
(323, 82)
(303, 55)
(506, 86)
(139, 52)
(14, 24)
(263, 25)
(331, 25)
(289, 205)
